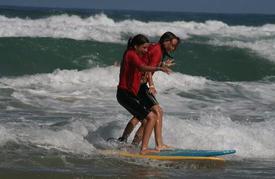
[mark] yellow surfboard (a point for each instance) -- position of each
(161, 157)
(171, 158)
(187, 161)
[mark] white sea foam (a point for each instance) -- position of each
(104, 29)
(64, 140)
(215, 131)
(6, 135)
(192, 119)
(91, 80)
(89, 92)
(75, 27)
(69, 138)
(264, 48)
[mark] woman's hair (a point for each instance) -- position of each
(167, 36)
(137, 40)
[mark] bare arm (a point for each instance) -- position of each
(150, 79)
(145, 68)
(152, 88)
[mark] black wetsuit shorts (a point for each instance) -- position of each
(139, 106)
(146, 98)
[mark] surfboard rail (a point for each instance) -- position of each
(171, 158)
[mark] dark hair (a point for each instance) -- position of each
(137, 40)
(167, 36)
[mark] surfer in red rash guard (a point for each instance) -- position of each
(131, 70)
(154, 57)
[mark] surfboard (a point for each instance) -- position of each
(129, 151)
(177, 154)
(194, 153)
(170, 158)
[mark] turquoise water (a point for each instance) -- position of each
(58, 85)
(44, 55)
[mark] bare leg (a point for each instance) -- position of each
(128, 129)
(151, 122)
(156, 109)
(158, 128)
(139, 134)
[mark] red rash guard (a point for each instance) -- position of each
(130, 76)
(154, 55)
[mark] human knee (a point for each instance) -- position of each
(144, 122)
(151, 117)
(158, 111)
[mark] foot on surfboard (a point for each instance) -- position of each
(164, 147)
(148, 151)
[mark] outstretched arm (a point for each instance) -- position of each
(144, 68)
(141, 66)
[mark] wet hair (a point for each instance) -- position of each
(167, 36)
(137, 40)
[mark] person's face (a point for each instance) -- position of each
(171, 45)
(142, 49)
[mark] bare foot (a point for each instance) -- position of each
(147, 151)
(163, 146)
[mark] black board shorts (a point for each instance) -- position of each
(146, 98)
(139, 106)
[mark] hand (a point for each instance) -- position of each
(169, 63)
(165, 70)
(152, 90)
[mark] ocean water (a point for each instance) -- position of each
(58, 86)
